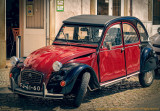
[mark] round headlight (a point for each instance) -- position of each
(57, 66)
(13, 60)
(22, 59)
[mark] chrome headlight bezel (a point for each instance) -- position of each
(57, 66)
(14, 60)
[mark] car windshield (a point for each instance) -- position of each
(80, 34)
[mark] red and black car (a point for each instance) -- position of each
(90, 51)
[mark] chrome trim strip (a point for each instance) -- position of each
(118, 80)
(111, 49)
(38, 94)
(131, 46)
(133, 74)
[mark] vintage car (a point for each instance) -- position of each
(89, 52)
(156, 43)
(156, 47)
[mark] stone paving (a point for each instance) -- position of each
(4, 77)
(126, 96)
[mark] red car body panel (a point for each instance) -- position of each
(42, 59)
(132, 55)
(112, 62)
(111, 65)
(90, 60)
(116, 63)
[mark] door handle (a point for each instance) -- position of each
(122, 49)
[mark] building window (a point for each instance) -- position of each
(156, 12)
(103, 7)
(116, 7)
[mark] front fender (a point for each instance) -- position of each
(75, 70)
(149, 60)
(15, 73)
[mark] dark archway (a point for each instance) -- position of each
(12, 21)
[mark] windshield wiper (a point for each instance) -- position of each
(81, 39)
(65, 38)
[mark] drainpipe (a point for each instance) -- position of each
(18, 38)
(81, 7)
(130, 7)
(46, 22)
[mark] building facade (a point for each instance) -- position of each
(40, 20)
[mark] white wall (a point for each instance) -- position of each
(140, 9)
(71, 8)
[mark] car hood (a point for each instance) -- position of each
(42, 59)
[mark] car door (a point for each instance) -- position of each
(111, 55)
(132, 47)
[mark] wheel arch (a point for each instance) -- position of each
(148, 59)
(76, 73)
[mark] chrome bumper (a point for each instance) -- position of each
(43, 94)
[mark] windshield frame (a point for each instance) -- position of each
(76, 43)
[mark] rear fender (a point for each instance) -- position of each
(149, 60)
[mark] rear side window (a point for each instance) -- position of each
(143, 35)
(130, 35)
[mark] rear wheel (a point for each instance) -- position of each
(82, 89)
(146, 79)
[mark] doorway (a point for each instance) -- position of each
(12, 26)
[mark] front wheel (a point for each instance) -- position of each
(146, 79)
(81, 91)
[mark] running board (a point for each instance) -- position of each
(118, 80)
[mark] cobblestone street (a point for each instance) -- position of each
(128, 95)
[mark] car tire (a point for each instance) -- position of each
(81, 90)
(146, 79)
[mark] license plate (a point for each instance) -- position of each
(30, 87)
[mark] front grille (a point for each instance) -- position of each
(31, 77)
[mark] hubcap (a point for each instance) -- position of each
(148, 77)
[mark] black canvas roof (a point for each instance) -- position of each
(97, 20)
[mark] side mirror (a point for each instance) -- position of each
(108, 45)
(158, 30)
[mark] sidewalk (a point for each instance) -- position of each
(4, 75)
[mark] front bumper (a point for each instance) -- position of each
(43, 94)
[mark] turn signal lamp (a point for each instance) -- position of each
(10, 75)
(62, 83)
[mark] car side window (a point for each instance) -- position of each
(143, 35)
(130, 35)
(113, 37)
